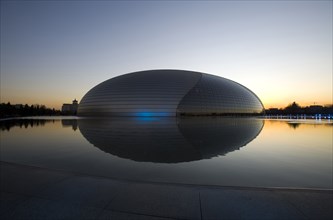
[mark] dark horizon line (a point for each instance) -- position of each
(10, 110)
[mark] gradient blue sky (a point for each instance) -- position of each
(55, 51)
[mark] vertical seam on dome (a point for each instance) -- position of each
(180, 101)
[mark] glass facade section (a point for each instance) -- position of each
(214, 95)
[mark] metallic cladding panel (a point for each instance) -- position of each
(217, 95)
(146, 93)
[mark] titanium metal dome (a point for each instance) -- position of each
(169, 93)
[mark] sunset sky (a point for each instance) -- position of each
(55, 51)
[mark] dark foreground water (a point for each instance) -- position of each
(209, 151)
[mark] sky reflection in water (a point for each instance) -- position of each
(214, 151)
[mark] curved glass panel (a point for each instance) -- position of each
(214, 95)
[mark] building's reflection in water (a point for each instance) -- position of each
(169, 139)
(69, 123)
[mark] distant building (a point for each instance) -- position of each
(70, 109)
(315, 109)
(273, 111)
(18, 106)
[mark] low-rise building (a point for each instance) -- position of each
(70, 109)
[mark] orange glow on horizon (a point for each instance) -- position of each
(279, 105)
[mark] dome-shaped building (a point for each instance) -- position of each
(169, 93)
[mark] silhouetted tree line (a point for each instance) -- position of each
(294, 108)
(18, 110)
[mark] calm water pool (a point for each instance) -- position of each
(210, 151)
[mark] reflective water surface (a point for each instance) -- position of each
(209, 151)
